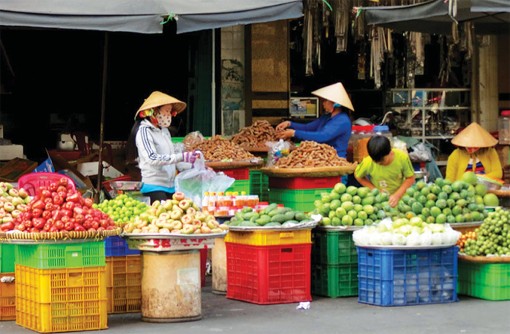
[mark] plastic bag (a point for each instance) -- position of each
(192, 139)
(277, 150)
(196, 181)
(420, 152)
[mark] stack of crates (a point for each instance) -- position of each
(299, 193)
(401, 277)
(334, 264)
(123, 277)
(490, 281)
(61, 286)
(7, 288)
(269, 267)
(259, 184)
(242, 179)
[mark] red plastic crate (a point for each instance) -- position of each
(269, 274)
(237, 173)
(303, 182)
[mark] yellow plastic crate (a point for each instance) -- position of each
(61, 300)
(269, 238)
(7, 299)
(124, 284)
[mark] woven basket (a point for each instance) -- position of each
(59, 235)
(500, 193)
(234, 164)
(485, 259)
(309, 171)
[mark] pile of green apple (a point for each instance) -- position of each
(122, 209)
(12, 203)
(492, 237)
(178, 215)
(352, 206)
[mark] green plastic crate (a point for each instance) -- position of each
(7, 255)
(61, 255)
(335, 280)
(259, 184)
(296, 199)
(489, 281)
(333, 248)
(240, 186)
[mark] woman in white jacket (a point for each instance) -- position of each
(150, 143)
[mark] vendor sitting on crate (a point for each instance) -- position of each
(389, 170)
(475, 153)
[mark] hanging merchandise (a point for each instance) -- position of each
(308, 35)
(379, 47)
(342, 17)
(417, 48)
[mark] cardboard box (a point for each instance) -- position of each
(91, 168)
(61, 164)
(12, 170)
(9, 152)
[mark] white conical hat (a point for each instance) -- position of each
(474, 136)
(157, 99)
(336, 93)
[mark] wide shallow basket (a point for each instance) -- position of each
(309, 171)
(55, 236)
(234, 164)
(485, 259)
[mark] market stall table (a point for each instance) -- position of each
(171, 290)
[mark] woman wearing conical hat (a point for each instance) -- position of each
(475, 152)
(150, 144)
(332, 128)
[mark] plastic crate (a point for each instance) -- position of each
(303, 182)
(7, 299)
(124, 284)
(490, 281)
(237, 173)
(269, 238)
(335, 280)
(61, 255)
(7, 256)
(240, 186)
(117, 246)
(259, 184)
(32, 181)
(333, 248)
(268, 274)
(296, 199)
(390, 277)
(61, 300)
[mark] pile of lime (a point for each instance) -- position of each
(492, 237)
(122, 209)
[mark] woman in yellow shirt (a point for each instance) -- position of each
(475, 153)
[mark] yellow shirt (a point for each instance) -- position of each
(386, 178)
(459, 159)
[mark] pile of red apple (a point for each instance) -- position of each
(59, 208)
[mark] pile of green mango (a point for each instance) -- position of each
(272, 215)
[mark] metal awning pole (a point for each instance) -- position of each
(101, 125)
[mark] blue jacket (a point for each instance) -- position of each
(334, 131)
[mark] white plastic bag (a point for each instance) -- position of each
(196, 181)
(277, 150)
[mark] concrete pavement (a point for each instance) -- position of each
(326, 315)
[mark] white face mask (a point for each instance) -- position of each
(164, 121)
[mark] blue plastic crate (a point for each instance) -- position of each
(116, 246)
(390, 277)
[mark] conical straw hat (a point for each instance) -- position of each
(157, 99)
(335, 93)
(474, 136)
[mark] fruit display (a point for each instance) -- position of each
(57, 208)
(271, 216)
(406, 232)
(12, 203)
(122, 209)
(492, 237)
(470, 235)
(221, 149)
(312, 154)
(178, 215)
(350, 205)
(255, 135)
